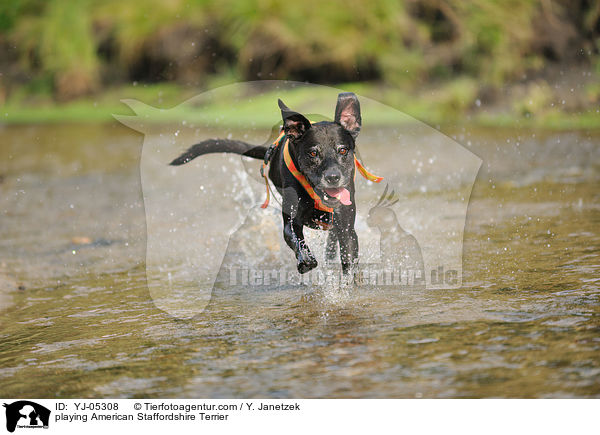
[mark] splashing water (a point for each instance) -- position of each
(523, 324)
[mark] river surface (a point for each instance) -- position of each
(77, 318)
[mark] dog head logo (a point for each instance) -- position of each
(26, 414)
(204, 218)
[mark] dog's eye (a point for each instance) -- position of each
(343, 151)
(313, 153)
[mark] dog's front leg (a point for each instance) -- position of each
(348, 250)
(293, 230)
(348, 240)
(294, 237)
(331, 248)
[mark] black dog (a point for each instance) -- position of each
(312, 166)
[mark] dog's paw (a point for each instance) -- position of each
(307, 264)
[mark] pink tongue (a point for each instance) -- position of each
(341, 194)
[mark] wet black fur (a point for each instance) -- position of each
(324, 153)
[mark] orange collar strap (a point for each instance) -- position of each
(302, 179)
(365, 173)
(263, 170)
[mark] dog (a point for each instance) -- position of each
(312, 166)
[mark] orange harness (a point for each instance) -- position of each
(289, 163)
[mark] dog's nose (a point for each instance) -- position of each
(333, 178)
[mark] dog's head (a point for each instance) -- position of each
(324, 151)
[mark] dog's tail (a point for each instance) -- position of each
(221, 146)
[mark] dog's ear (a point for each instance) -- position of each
(347, 113)
(294, 124)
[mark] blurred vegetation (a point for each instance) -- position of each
(452, 55)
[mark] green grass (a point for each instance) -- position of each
(445, 106)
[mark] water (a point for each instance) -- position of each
(77, 319)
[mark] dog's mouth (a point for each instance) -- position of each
(336, 194)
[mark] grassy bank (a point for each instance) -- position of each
(530, 63)
(446, 105)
